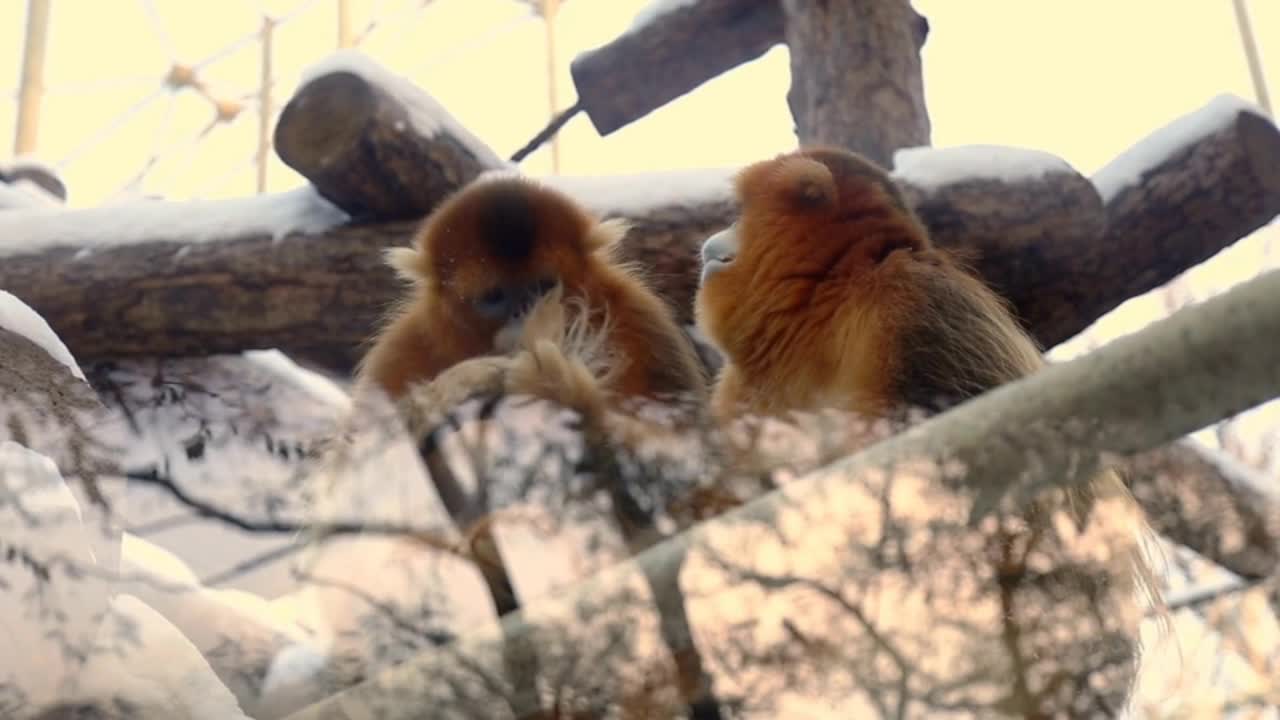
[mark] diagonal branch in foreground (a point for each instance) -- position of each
(1205, 363)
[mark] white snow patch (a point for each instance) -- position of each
(932, 168)
(301, 210)
(41, 520)
(18, 317)
(1129, 167)
(312, 383)
(426, 113)
(636, 194)
(655, 10)
(24, 194)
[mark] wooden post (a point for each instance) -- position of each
(264, 103)
(856, 77)
(550, 8)
(345, 38)
(32, 84)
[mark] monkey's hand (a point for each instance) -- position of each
(425, 404)
(545, 371)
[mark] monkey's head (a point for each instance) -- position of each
(813, 226)
(493, 249)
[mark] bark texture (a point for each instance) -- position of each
(649, 66)
(856, 78)
(360, 148)
(1225, 185)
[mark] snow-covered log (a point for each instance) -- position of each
(47, 407)
(146, 279)
(672, 47)
(1207, 362)
(856, 76)
(373, 143)
(1173, 201)
(279, 271)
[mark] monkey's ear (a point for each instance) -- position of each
(607, 233)
(793, 183)
(407, 263)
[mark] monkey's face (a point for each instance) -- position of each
(813, 226)
(498, 248)
(719, 252)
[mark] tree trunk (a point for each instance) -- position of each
(856, 78)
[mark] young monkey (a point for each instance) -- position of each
(486, 258)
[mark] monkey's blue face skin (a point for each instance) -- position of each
(507, 302)
(719, 251)
(510, 305)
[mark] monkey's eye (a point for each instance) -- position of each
(493, 303)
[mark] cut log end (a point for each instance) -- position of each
(1260, 141)
(324, 117)
(365, 148)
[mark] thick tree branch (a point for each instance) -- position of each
(1172, 201)
(1205, 363)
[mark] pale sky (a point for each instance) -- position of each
(1082, 79)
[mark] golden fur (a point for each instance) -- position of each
(513, 233)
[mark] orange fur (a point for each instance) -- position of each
(513, 233)
(836, 298)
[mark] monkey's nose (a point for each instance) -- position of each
(719, 251)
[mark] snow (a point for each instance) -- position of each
(41, 520)
(17, 317)
(655, 10)
(301, 210)
(155, 669)
(426, 113)
(1129, 168)
(315, 385)
(932, 168)
(639, 193)
(24, 194)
